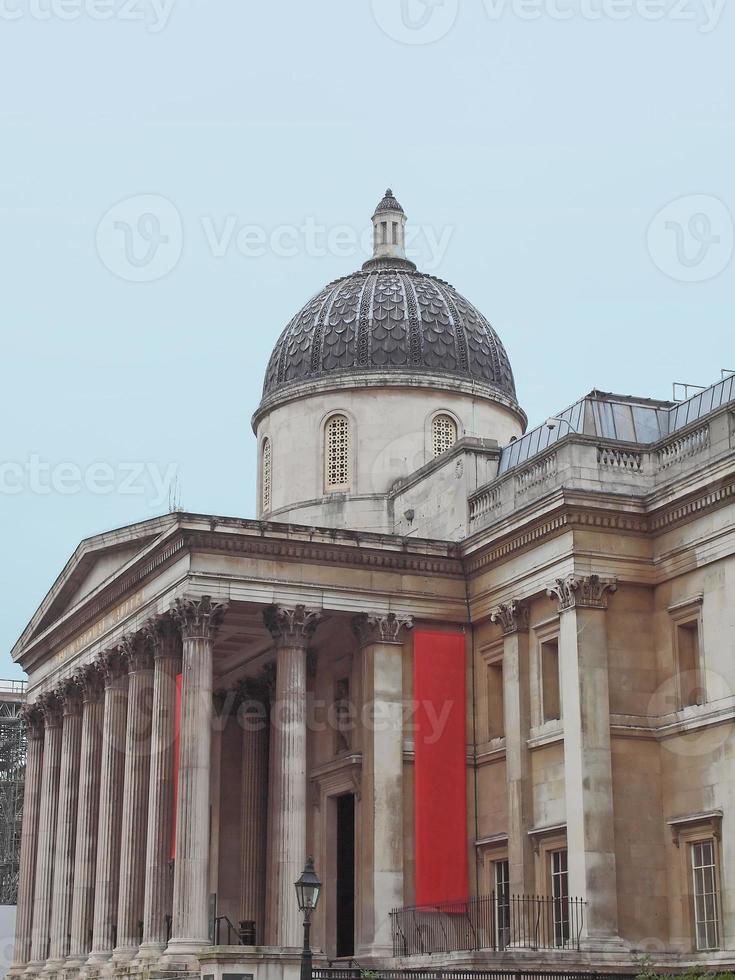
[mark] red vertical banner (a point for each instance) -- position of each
(177, 740)
(440, 768)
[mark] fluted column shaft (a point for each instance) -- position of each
(85, 855)
(198, 621)
(107, 863)
(291, 630)
(139, 659)
(158, 882)
(254, 808)
(66, 822)
(381, 638)
(46, 830)
(29, 837)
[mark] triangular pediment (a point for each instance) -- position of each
(95, 563)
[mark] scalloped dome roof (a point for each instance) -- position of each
(388, 317)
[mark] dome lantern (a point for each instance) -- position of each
(389, 235)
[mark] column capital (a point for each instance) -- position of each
(135, 652)
(161, 635)
(582, 591)
(198, 617)
(91, 681)
(292, 626)
(32, 717)
(370, 628)
(513, 616)
(50, 706)
(70, 693)
(111, 665)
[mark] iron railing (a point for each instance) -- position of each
(344, 973)
(492, 922)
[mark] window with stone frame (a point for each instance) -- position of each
(337, 454)
(495, 714)
(266, 475)
(705, 894)
(559, 876)
(550, 681)
(686, 620)
(443, 434)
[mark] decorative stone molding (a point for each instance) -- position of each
(32, 718)
(370, 628)
(198, 617)
(513, 616)
(292, 627)
(582, 591)
(70, 692)
(708, 823)
(50, 705)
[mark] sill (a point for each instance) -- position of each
(546, 734)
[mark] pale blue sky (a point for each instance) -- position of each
(544, 147)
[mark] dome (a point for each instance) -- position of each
(391, 320)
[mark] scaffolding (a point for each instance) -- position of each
(12, 780)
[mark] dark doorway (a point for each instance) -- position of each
(346, 875)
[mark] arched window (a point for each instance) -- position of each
(443, 434)
(337, 453)
(266, 472)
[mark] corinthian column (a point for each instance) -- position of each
(138, 656)
(513, 617)
(107, 864)
(198, 621)
(587, 758)
(50, 705)
(92, 685)
(292, 630)
(381, 639)
(158, 883)
(66, 822)
(33, 720)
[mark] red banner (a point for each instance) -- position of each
(440, 767)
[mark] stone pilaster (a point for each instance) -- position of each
(166, 644)
(292, 630)
(85, 856)
(513, 618)
(381, 638)
(253, 714)
(66, 821)
(587, 760)
(107, 864)
(50, 705)
(198, 621)
(33, 721)
(137, 653)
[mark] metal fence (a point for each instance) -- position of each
(492, 922)
(357, 973)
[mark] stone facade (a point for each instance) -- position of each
(592, 578)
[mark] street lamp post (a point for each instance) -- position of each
(308, 888)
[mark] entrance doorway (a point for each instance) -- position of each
(346, 875)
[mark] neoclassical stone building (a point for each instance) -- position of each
(459, 663)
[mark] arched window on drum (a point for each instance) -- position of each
(443, 434)
(337, 454)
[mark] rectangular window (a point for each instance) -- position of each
(501, 874)
(560, 897)
(342, 716)
(550, 689)
(704, 892)
(495, 718)
(691, 690)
